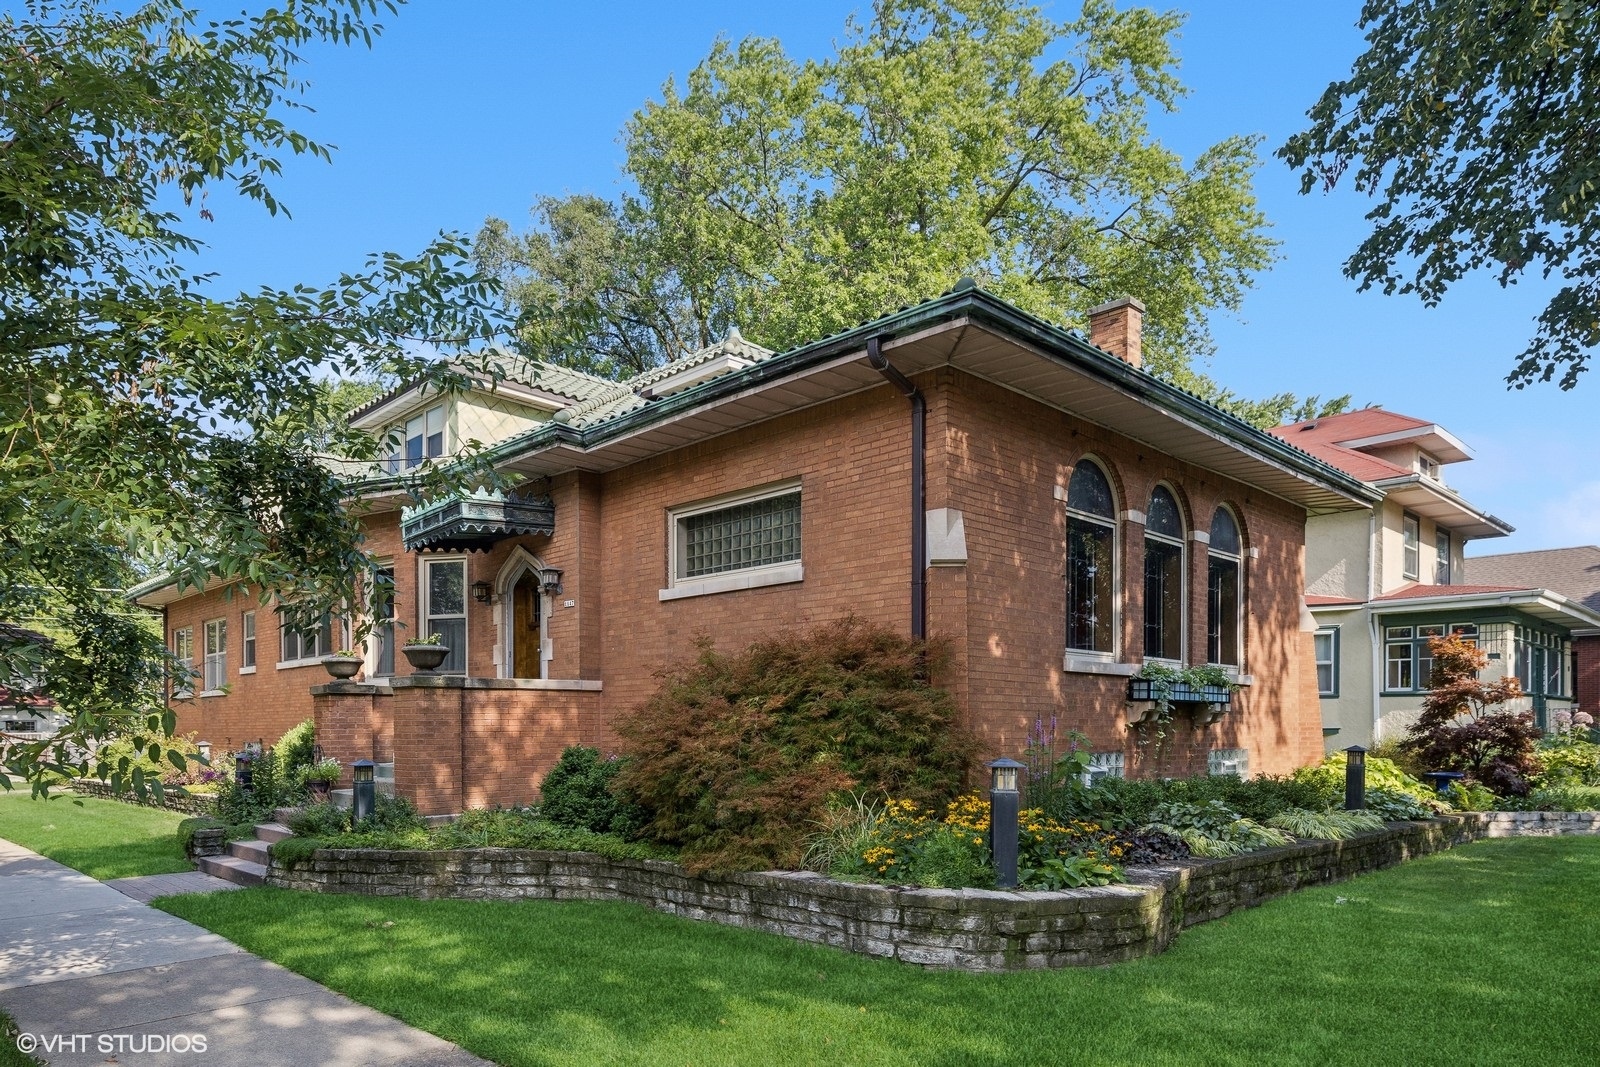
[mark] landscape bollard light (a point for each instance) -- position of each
(1005, 799)
(1355, 778)
(242, 771)
(364, 793)
(205, 750)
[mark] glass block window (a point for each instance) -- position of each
(743, 536)
(1228, 761)
(1103, 765)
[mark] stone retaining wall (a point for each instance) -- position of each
(969, 929)
(195, 805)
(1539, 823)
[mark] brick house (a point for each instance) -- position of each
(1382, 584)
(1575, 574)
(956, 468)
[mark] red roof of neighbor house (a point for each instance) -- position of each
(1417, 589)
(1320, 437)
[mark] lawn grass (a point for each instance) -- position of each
(102, 838)
(1480, 955)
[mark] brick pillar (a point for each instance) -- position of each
(353, 721)
(428, 740)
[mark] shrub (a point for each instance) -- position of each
(1327, 777)
(1562, 798)
(1213, 829)
(320, 820)
(1568, 755)
(294, 750)
(125, 762)
(1394, 806)
(1128, 803)
(390, 814)
(735, 756)
(578, 793)
(1461, 728)
(1470, 796)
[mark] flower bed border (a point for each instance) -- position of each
(966, 929)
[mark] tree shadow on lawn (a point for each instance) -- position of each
(1428, 963)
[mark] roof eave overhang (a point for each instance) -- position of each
(1540, 603)
(1423, 496)
(923, 337)
(1433, 438)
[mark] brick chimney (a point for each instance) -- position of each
(1118, 327)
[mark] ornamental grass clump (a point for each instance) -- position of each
(1332, 825)
(735, 757)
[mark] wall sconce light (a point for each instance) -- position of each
(481, 591)
(552, 582)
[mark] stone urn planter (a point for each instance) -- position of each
(342, 667)
(425, 659)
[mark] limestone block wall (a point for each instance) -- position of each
(968, 929)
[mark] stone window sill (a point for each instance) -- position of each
(730, 583)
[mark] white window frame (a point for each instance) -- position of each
(335, 631)
(1410, 547)
(183, 641)
(214, 665)
(247, 643)
(1181, 543)
(1332, 662)
(425, 615)
(769, 574)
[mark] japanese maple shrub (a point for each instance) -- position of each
(1464, 725)
(735, 756)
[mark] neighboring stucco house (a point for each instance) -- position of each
(1382, 584)
(1575, 574)
(957, 468)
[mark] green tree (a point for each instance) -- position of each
(1476, 126)
(140, 415)
(945, 138)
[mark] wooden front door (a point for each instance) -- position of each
(525, 622)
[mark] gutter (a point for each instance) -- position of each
(919, 505)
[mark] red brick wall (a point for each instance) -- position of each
(1003, 458)
(992, 454)
(1586, 668)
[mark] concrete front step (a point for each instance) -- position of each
(254, 851)
(273, 832)
(235, 870)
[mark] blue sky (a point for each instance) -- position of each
(469, 108)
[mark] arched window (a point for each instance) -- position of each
(1224, 571)
(1163, 577)
(1091, 560)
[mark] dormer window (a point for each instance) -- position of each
(1427, 465)
(421, 438)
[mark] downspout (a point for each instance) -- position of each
(1374, 585)
(919, 523)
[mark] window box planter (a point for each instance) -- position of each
(425, 659)
(1180, 692)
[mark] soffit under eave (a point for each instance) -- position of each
(1440, 508)
(1054, 381)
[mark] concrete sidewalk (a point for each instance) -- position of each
(105, 978)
